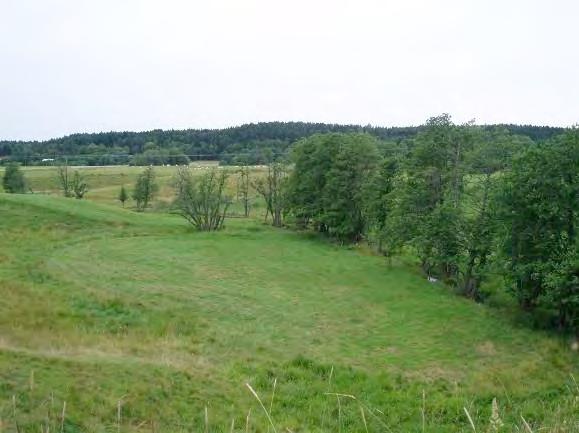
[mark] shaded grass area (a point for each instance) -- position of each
(99, 304)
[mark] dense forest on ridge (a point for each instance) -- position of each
(255, 143)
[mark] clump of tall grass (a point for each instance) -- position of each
(494, 424)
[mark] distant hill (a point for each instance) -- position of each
(252, 143)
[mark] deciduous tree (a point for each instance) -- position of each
(202, 200)
(64, 180)
(145, 188)
(272, 188)
(326, 187)
(540, 210)
(243, 188)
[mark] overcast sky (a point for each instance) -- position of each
(78, 65)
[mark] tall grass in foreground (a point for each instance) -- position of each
(28, 412)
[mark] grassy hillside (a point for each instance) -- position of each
(100, 305)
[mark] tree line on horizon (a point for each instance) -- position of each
(251, 144)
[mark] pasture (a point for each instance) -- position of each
(139, 323)
(104, 182)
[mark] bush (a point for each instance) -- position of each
(202, 201)
(14, 181)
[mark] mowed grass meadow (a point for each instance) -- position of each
(112, 320)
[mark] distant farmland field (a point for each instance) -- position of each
(104, 182)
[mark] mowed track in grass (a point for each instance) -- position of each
(103, 304)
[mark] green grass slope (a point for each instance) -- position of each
(99, 305)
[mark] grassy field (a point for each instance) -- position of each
(139, 323)
(104, 182)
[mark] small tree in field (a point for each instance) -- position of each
(71, 186)
(14, 181)
(273, 190)
(202, 200)
(123, 195)
(79, 186)
(243, 183)
(64, 180)
(145, 188)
